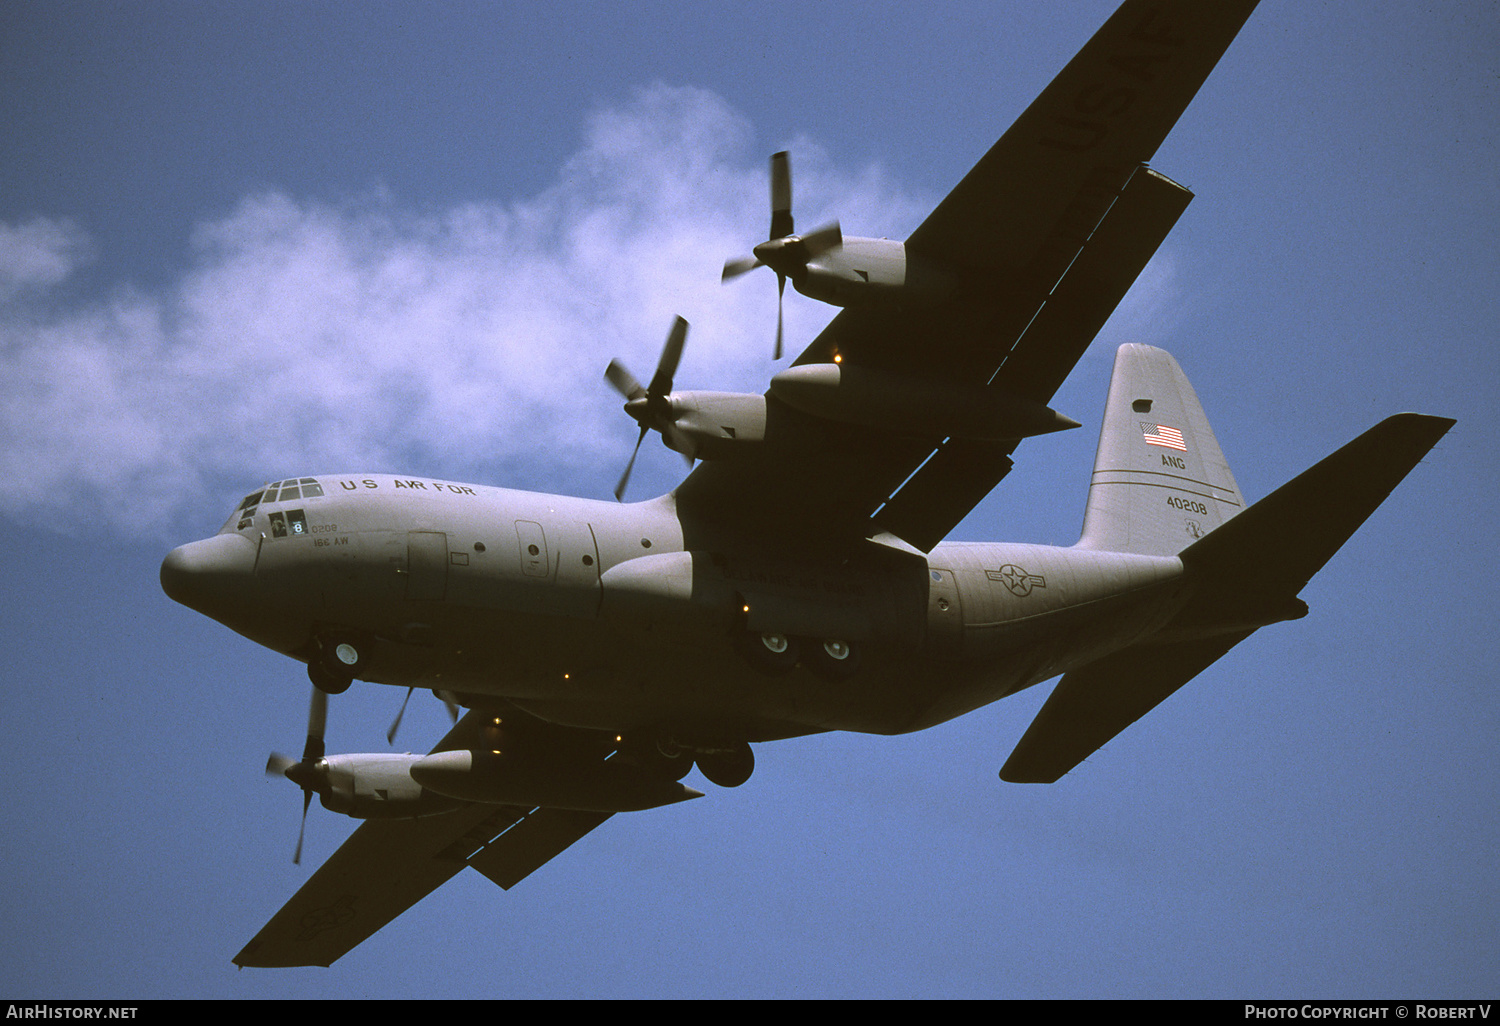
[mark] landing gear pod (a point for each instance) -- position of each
(615, 785)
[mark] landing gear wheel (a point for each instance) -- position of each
(727, 767)
(769, 652)
(326, 682)
(831, 658)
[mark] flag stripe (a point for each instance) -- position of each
(1166, 437)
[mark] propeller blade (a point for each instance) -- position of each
(450, 702)
(390, 735)
(671, 353)
(678, 441)
(625, 477)
(781, 195)
(822, 239)
(623, 381)
(735, 268)
(317, 723)
(780, 293)
(302, 830)
(278, 764)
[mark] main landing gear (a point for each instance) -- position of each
(728, 765)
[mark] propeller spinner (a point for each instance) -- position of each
(785, 252)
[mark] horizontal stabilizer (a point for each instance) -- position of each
(1092, 704)
(1246, 573)
(1279, 543)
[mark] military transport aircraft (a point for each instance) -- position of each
(797, 581)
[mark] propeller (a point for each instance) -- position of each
(311, 772)
(785, 252)
(650, 406)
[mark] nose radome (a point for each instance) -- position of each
(205, 572)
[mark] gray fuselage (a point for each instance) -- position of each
(591, 614)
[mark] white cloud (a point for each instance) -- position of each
(313, 336)
(39, 253)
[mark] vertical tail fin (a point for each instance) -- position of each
(1160, 481)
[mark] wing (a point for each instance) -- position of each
(1040, 240)
(386, 866)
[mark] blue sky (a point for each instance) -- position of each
(240, 242)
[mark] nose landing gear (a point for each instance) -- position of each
(339, 659)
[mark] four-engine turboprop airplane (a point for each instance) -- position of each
(796, 581)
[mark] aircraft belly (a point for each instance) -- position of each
(1025, 614)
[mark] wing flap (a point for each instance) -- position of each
(532, 843)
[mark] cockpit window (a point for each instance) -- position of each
(284, 491)
(276, 491)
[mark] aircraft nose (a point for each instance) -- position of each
(204, 574)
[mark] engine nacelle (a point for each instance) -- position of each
(378, 786)
(503, 778)
(866, 271)
(717, 425)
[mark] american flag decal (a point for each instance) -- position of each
(1166, 437)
